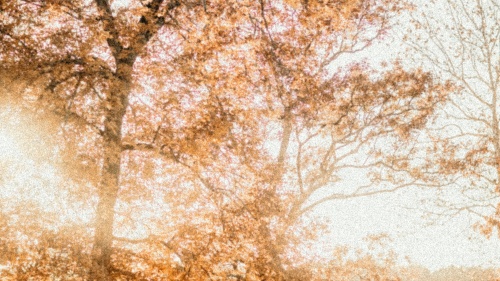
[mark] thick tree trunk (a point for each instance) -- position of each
(116, 105)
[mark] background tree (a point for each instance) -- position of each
(461, 43)
(181, 105)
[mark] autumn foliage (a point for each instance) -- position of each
(190, 131)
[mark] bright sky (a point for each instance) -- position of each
(447, 241)
(444, 243)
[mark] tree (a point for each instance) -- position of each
(182, 99)
(461, 44)
(65, 55)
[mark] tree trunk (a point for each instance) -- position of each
(116, 105)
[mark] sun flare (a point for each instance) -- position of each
(27, 175)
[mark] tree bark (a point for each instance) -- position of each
(116, 105)
(115, 109)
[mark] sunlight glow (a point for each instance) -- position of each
(8, 146)
(27, 173)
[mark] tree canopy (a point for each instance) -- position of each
(191, 130)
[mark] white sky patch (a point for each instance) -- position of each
(444, 243)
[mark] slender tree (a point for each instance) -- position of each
(461, 43)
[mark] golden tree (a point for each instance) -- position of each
(179, 105)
